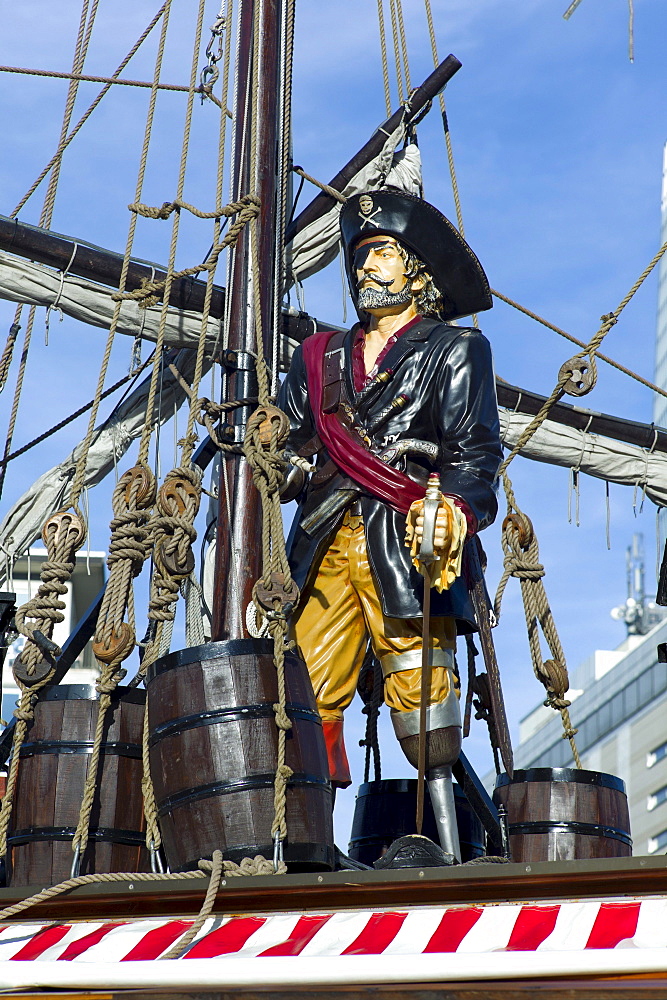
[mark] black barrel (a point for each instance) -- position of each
(385, 810)
(213, 754)
(565, 814)
(53, 763)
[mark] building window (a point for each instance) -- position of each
(655, 755)
(657, 798)
(657, 843)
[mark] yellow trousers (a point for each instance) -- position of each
(340, 612)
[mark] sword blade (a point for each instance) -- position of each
(424, 696)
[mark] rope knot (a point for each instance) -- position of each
(284, 773)
(283, 720)
(24, 714)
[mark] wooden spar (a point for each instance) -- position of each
(102, 266)
(239, 530)
(418, 99)
(631, 431)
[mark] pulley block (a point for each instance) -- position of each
(268, 417)
(118, 647)
(170, 565)
(275, 595)
(64, 526)
(139, 483)
(581, 376)
(523, 527)
(176, 494)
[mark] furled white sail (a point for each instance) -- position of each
(23, 524)
(37, 285)
(316, 245)
(597, 456)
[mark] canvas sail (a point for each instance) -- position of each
(601, 457)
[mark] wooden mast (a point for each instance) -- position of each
(238, 548)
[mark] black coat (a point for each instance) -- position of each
(447, 373)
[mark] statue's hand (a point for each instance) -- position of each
(442, 527)
(449, 536)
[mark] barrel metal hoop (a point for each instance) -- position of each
(88, 692)
(33, 834)
(568, 774)
(188, 795)
(584, 829)
(58, 747)
(238, 713)
(312, 853)
(226, 648)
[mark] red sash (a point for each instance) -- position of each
(346, 450)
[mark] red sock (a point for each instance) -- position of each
(339, 769)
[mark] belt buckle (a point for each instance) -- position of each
(354, 516)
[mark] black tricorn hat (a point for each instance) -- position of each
(420, 227)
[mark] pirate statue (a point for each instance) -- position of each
(402, 395)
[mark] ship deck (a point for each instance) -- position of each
(479, 883)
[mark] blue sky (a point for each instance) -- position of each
(558, 143)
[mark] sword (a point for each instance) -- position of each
(341, 499)
(427, 557)
(474, 578)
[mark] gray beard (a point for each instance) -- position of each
(381, 298)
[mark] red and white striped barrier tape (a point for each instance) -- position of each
(466, 930)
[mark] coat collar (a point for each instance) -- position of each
(404, 347)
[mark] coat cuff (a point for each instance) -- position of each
(467, 512)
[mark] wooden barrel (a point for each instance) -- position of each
(53, 763)
(385, 810)
(213, 754)
(565, 814)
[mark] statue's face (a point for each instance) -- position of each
(379, 265)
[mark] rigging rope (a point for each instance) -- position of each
(275, 593)
(114, 640)
(574, 371)
(132, 501)
(521, 561)
(64, 532)
(580, 343)
(383, 55)
(397, 52)
(62, 146)
(333, 192)
(77, 413)
(404, 47)
(86, 23)
(21, 70)
(448, 136)
(179, 497)
(283, 171)
(77, 483)
(62, 535)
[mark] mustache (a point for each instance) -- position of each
(376, 281)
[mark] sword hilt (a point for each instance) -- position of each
(431, 504)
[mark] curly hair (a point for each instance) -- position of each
(429, 301)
